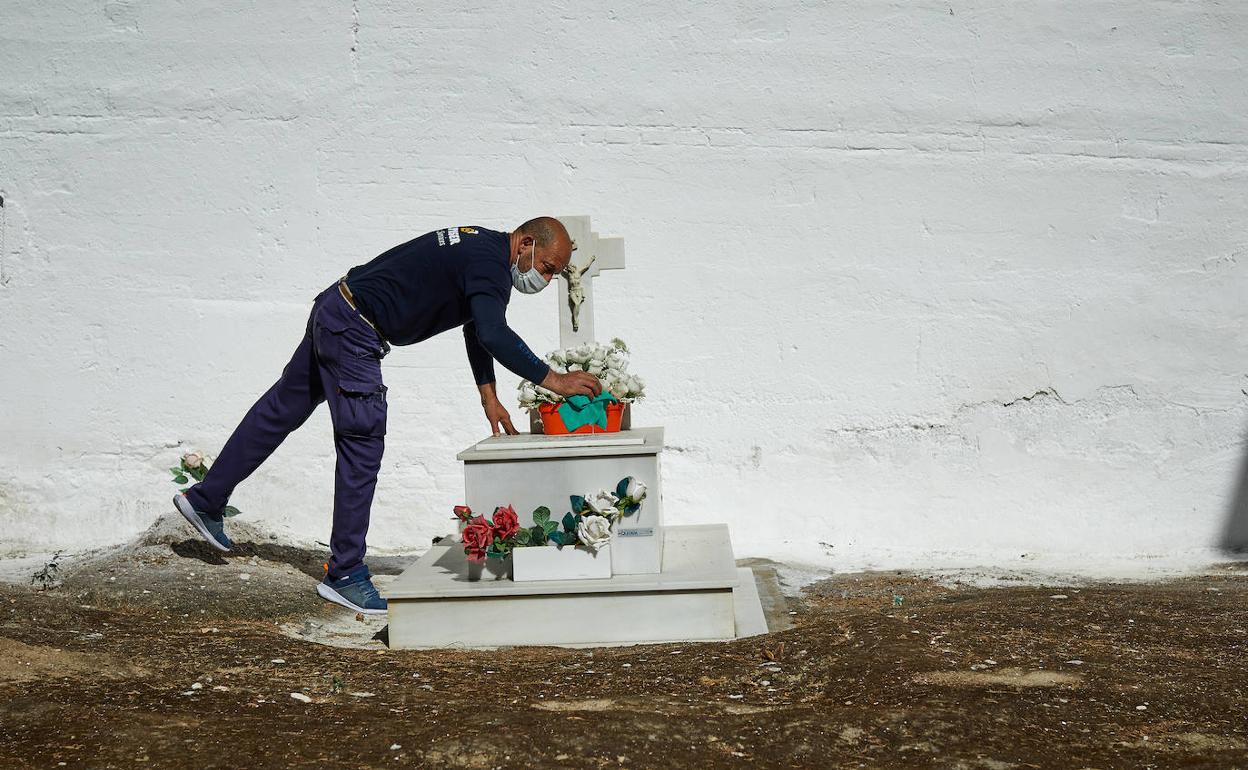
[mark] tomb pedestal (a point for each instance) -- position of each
(528, 471)
(699, 596)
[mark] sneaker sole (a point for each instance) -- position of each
(188, 513)
(330, 594)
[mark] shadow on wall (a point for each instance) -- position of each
(1235, 536)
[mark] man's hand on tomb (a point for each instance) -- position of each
(572, 383)
(500, 419)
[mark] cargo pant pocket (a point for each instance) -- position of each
(359, 409)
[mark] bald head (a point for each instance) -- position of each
(544, 240)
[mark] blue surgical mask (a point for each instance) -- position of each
(530, 281)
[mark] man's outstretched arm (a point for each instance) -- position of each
(487, 336)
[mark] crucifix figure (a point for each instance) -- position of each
(576, 291)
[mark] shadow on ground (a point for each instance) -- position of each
(1235, 534)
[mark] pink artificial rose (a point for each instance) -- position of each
(476, 537)
(463, 512)
(506, 522)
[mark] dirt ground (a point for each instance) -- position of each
(163, 654)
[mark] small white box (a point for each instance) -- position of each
(548, 562)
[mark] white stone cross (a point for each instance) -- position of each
(592, 255)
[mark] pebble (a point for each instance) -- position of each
(1141, 708)
(221, 688)
(1075, 662)
(736, 697)
(395, 747)
(300, 697)
(277, 660)
(244, 576)
(361, 694)
(1059, 596)
(197, 686)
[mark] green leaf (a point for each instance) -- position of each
(578, 503)
(541, 516)
(556, 538)
(182, 465)
(538, 535)
(176, 471)
(199, 473)
(180, 479)
(523, 537)
(549, 527)
(569, 522)
(630, 509)
(621, 489)
(230, 510)
(183, 490)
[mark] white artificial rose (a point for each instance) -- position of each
(603, 503)
(557, 358)
(616, 360)
(574, 367)
(594, 369)
(635, 489)
(594, 531)
(193, 459)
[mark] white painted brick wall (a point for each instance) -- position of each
(924, 282)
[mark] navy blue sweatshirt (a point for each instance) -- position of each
(443, 279)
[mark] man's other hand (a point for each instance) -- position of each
(499, 419)
(572, 383)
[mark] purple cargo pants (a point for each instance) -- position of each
(339, 361)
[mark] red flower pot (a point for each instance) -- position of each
(552, 423)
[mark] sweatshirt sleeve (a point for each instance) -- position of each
(478, 357)
(496, 337)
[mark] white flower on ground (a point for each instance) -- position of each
(603, 503)
(594, 531)
(193, 459)
(636, 490)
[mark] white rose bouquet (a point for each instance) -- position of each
(608, 363)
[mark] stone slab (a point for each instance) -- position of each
(696, 557)
(694, 598)
(543, 447)
(748, 606)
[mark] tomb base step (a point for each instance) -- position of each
(700, 595)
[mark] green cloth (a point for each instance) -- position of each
(581, 410)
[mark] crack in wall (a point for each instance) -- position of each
(1048, 393)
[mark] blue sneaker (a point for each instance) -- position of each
(211, 526)
(355, 592)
